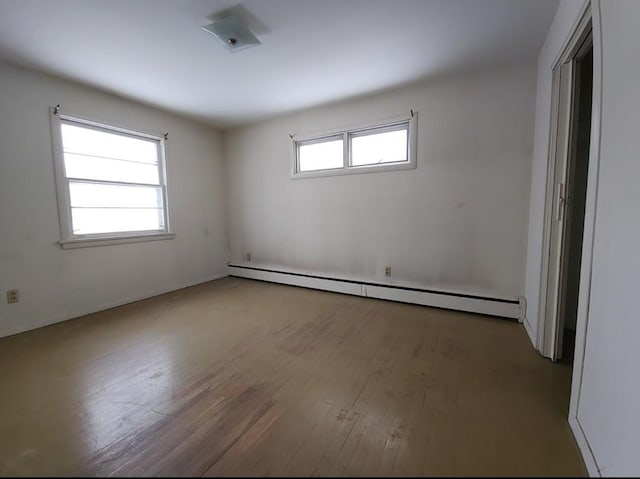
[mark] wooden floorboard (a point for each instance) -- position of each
(240, 377)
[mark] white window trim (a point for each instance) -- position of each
(347, 133)
(67, 239)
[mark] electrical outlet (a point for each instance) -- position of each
(13, 296)
(249, 257)
(387, 271)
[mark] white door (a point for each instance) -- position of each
(555, 305)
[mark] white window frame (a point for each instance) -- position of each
(408, 122)
(67, 238)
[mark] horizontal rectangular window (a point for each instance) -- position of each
(111, 181)
(382, 147)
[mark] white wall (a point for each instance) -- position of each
(608, 405)
(606, 385)
(458, 220)
(57, 284)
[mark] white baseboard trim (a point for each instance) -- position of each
(110, 305)
(506, 307)
(529, 330)
(583, 444)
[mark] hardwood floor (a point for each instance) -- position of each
(238, 377)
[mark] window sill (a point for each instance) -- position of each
(90, 242)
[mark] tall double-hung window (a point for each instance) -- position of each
(111, 183)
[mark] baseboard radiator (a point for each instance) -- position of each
(504, 307)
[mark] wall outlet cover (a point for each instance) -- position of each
(13, 296)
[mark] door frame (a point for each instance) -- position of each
(590, 12)
(548, 321)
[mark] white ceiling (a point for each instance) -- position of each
(312, 52)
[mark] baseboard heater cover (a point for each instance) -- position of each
(512, 308)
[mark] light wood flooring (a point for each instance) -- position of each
(239, 377)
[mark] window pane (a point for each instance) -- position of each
(115, 220)
(378, 148)
(88, 141)
(321, 156)
(84, 195)
(98, 168)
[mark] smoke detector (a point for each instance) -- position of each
(232, 33)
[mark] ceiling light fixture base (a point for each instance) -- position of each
(232, 33)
